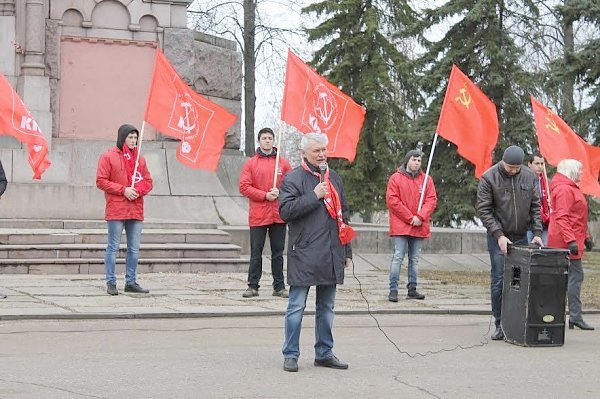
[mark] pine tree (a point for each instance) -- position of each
(361, 56)
(479, 40)
(580, 66)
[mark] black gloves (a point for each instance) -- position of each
(589, 244)
(573, 248)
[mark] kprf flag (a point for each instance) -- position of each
(16, 121)
(178, 111)
(313, 105)
(469, 120)
(557, 141)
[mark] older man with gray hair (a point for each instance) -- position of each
(313, 203)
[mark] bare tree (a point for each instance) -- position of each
(258, 38)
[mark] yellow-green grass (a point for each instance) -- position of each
(590, 291)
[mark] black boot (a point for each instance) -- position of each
(581, 324)
(393, 296)
(498, 334)
(414, 294)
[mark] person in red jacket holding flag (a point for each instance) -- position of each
(538, 165)
(568, 229)
(409, 224)
(256, 183)
(124, 205)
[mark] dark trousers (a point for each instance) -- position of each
(258, 234)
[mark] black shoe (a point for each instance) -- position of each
(282, 293)
(413, 294)
(2, 296)
(250, 292)
(581, 324)
(135, 287)
(290, 364)
(111, 289)
(498, 335)
(332, 363)
(393, 296)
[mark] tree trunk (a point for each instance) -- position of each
(249, 75)
(567, 101)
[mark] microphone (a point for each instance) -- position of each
(322, 170)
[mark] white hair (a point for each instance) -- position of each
(320, 138)
(570, 168)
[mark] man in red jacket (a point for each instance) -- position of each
(124, 205)
(256, 183)
(538, 165)
(409, 223)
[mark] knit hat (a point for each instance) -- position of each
(513, 155)
(124, 131)
(410, 154)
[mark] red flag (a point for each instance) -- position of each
(469, 120)
(178, 111)
(558, 141)
(313, 105)
(16, 121)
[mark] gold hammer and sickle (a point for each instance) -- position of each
(465, 97)
(551, 122)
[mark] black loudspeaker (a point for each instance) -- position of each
(534, 295)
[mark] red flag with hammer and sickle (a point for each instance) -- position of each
(178, 111)
(558, 141)
(469, 120)
(313, 105)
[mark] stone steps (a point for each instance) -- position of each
(145, 265)
(98, 236)
(77, 247)
(96, 224)
(156, 250)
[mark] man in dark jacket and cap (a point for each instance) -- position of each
(508, 204)
(313, 203)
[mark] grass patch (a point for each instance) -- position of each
(590, 290)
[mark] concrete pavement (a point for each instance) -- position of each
(219, 294)
(240, 357)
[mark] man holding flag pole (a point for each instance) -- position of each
(265, 167)
(124, 184)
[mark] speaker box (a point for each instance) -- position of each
(533, 296)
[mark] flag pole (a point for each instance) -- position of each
(427, 172)
(139, 152)
(278, 152)
(547, 186)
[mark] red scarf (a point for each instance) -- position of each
(334, 207)
(141, 185)
(545, 207)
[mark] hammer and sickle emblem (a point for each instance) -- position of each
(186, 122)
(465, 97)
(551, 122)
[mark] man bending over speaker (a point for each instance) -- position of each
(507, 201)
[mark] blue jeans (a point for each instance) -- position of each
(323, 321)
(497, 274)
(133, 230)
(401, 245)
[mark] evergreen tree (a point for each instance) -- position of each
(580, 66)
(479, 40)
(361, 56)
